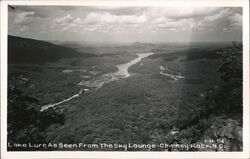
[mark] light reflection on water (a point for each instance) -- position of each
(123, 68)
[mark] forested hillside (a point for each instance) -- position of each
(23, 50)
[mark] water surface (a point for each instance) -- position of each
(123, 68)
(106, 78)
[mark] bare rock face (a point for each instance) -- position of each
(227, 132)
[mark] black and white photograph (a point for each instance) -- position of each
(124, 78)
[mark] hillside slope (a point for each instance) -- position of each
(23, 50)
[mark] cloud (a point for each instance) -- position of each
(39, 12)
(236, 20)
(64, 20)
(225, 20)
(22, 17)
(220, 15)
(122, 18)
(66, 23)
(107, 18)
(89, 21)
(198, 19)
(180, 12)
(121, 10)
(23, 28)
(170, 24)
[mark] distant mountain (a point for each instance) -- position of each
(64, 43)
(24, 50)
(143, 44)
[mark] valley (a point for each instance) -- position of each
(149, 96)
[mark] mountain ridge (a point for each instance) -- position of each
(25, 50)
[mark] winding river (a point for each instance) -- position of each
(123, 68)
(106, 78)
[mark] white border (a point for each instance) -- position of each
(96, 154)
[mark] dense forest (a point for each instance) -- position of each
(23, 50)
(222, 117)
(26, 123)
(219, 118)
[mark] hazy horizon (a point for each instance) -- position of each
(126, 24)
(125, 43)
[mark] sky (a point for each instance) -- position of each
(126, 24)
